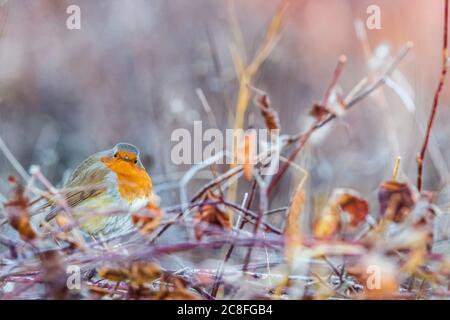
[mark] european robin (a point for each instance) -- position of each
(111, 179)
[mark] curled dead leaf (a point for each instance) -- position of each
(396, 200)
(113, 274)
(269, 114)
(98, 291)
(18, 214)
(136, 274)
(147, 219)
(319, 112)
(354, 206)
(345, 208)
(210, 214)
(141, 273)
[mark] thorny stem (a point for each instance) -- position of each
(227, 175)
(263, 207)
(253, 215)
(230, 250)
(249, 216)
(208, 186)
(423, 150)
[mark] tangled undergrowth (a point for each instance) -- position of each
(352, 249)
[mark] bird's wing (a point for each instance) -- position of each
(74, 198)
(87, 181)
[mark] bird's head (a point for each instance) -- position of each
(123, 158)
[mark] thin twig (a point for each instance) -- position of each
(219, 273)
(207, 107)
(337, 73)
(16, 164)
(423, 150)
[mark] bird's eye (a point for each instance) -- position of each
(135, 161)
(115, 155)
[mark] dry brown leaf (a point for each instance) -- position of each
(113, 274)
(137, 275)
(98, 291)
(396, 200)
(319, 112)
(345, 208)
(17, 212)
(210, 214)
(356, 207)
(269, 114)
(147, 219)
(141, 273)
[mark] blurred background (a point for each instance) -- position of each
(131, 73)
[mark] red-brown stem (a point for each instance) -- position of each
(423, 150)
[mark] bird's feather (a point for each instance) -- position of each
(87, 181)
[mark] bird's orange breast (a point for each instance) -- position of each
(133, 182)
